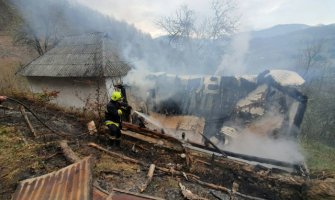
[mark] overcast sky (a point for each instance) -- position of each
(255, 14)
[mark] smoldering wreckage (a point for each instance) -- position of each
(183, 130)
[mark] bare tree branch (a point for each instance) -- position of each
(41, 34)
(183, 24)
(180, 26)
(223, 23)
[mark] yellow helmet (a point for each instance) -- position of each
(116, 96)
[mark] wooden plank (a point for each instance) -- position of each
(149, 177)
(158, 142)
(25, 116)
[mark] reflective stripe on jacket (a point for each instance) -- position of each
(108, 122)
(111, 113)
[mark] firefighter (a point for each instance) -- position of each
(113, 117)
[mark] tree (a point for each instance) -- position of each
(222, 23)
(41, 43)
(310, 58)
(40, 24)
(318, 72)
(198, 41)
(183, 24)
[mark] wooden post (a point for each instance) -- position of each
(67, 151)
(25, 116)
(149, 177)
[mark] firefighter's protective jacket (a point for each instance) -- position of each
(111, 114)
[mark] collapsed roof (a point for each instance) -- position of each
(234, 101)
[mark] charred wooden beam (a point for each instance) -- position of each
(157, 142)
(278, 163)
(163, 169)
(215, 147)
(113, 153)
(135, 128)
(248, 157)
(224, 189)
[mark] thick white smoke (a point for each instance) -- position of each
(138, 79)
(233, 60)
(266, 147)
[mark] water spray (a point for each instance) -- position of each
(151, 121)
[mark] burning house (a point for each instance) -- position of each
(268, 104)
(81, 68)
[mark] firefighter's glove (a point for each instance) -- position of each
(119, 112)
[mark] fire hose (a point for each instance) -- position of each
(26, 107)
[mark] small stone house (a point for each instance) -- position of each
(82, 68)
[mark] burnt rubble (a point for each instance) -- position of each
(233, 101)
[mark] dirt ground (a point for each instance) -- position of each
(41, 155)
(22, 156)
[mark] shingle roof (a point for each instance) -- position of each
(89, 55)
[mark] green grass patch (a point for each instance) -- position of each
(319, 157)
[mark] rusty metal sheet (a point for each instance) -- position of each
(73, 182)
(99, 195)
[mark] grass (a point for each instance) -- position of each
(107, 164)
(9, 82)
(18, 160)
(319, 157)
(11, 58)
(15, 158)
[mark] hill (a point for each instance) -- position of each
(8, 16)
(283, 49)
(278, 30)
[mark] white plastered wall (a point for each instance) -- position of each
(73, 92)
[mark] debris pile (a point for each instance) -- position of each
(237, 102)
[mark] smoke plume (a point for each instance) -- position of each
(233, 60)
(266, 147)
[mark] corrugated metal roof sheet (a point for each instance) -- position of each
(89, 55)
(73, 182)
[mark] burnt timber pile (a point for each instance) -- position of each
(214, 170)
(237, 102)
